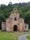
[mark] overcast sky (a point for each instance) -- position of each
(13, 1)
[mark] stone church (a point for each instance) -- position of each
(14, 23)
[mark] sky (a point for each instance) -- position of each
(13, 1)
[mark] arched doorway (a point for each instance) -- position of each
(15, 28)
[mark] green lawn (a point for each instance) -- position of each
(28, 37)
(10, 35)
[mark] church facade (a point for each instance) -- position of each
(14, 23)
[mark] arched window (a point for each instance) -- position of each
(15, 18)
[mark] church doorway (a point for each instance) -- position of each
(15, 28)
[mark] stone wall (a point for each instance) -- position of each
(3, 26)
(26, 27)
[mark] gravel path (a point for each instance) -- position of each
(23, 37)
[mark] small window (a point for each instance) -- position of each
(15, 18)
(18, 24)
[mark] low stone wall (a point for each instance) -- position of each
(3, 26)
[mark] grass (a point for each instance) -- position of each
(28, 37)
(10, 35)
